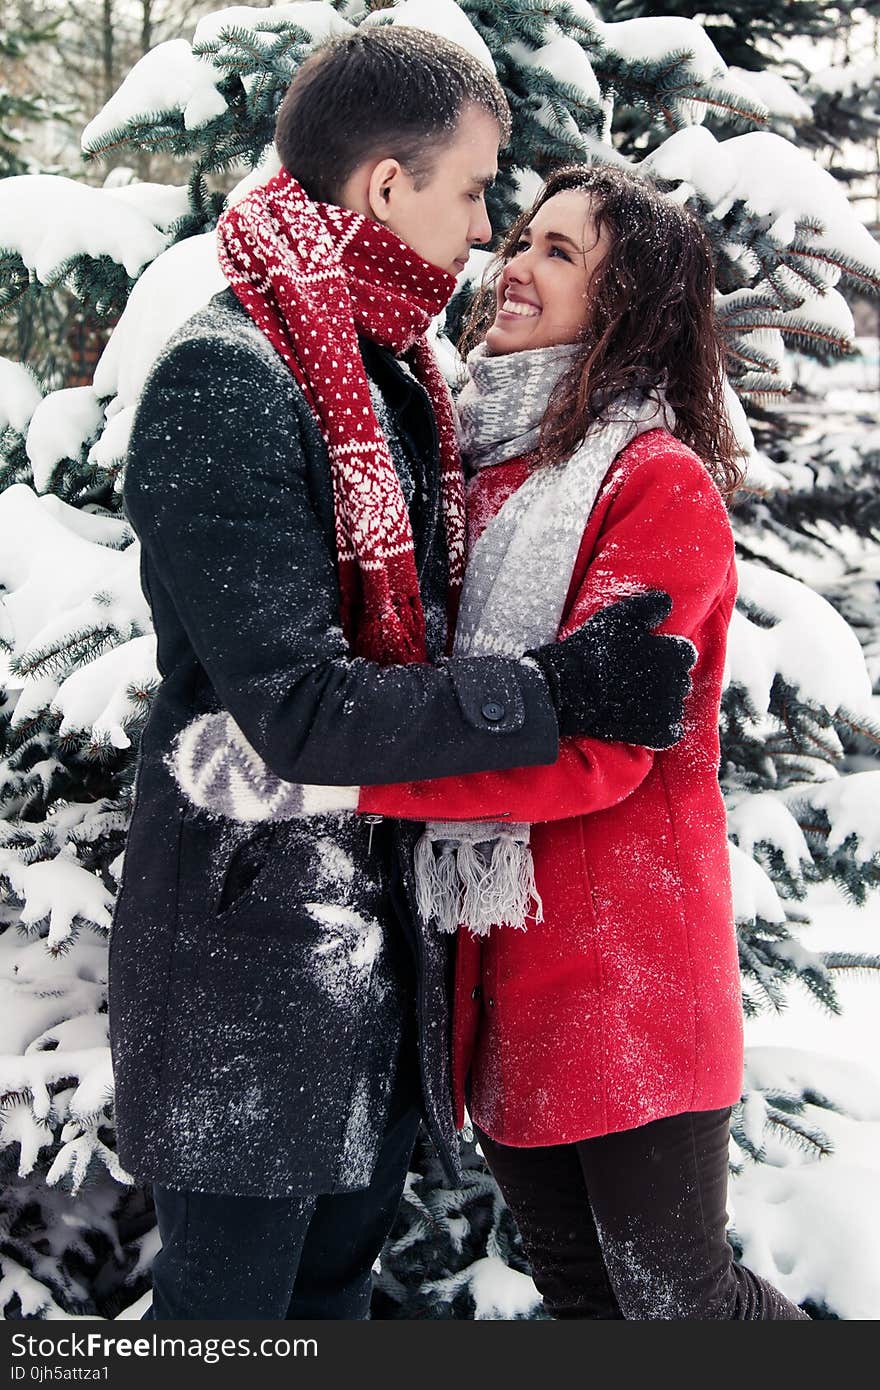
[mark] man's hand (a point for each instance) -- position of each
(616, 679)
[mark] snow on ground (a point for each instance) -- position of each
(813, 1227)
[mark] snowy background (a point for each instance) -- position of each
(836, 1198)
(769, 131)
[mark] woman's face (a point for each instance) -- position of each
(542, 295)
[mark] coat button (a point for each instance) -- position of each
(491, 1003)
(477, 992)
(493, 711)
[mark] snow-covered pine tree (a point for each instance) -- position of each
(78, 656)
(819, 520)
(749, 34)
(843, 91)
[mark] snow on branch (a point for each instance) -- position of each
(74, 424)
(55, 1071)
(779, 186)
(757, 361)
(20, 395)
(167, 82)
(565, 60)
(33, 1298)
(170, 290)
(754, 896)
(850, 1088)
(827, 671)
(63, 422)
(763, 819)
(164, 204)
(560, 73)
(653, 38)
(777, 94)
(69, 598)
(850, 806)
(670, 64)
(318, 20)
(859, 81)
(46, 562)
(825, 320)
(104, 699)
(443, 17)
(48, 222)
(58, 891)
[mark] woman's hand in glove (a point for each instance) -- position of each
(616, 679)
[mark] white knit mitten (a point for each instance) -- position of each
(218, 770)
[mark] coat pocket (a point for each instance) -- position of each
(244, 869)
(258, 884)
(228, 876)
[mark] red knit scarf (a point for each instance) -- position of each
(312, 276)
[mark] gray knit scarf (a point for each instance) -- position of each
(475, 874)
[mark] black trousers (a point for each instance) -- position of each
(632, 1225)
(308, 1256)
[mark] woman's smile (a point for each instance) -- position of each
(515, 307)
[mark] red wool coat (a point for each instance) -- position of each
(623, 1005)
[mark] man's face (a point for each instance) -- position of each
(446, 216)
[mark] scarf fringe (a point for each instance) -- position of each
(477, 886)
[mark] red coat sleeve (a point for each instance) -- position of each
(665, 528)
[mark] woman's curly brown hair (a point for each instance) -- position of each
(652, 319)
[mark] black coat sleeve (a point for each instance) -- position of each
(217, 489)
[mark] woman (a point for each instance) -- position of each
(601, 1047)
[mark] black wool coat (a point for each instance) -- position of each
(262, 976)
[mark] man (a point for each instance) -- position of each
(278, 1010)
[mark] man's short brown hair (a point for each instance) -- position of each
(384, 90)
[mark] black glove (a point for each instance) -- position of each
(615, 679)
